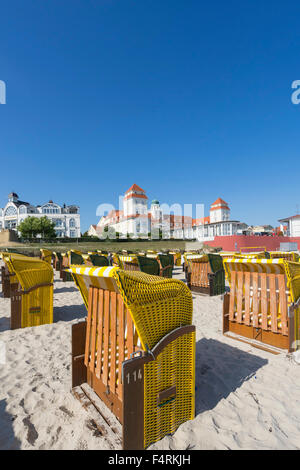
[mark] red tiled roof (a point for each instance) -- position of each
(134, 187)
(202, 221)
(220, 201)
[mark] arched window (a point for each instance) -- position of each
(22, 210)
(11, 210)
(72, 223)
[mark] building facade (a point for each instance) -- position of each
(136, 219)
(290, 226)
(65, 218)
(218, 223)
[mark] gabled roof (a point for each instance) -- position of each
(220, 201)
(134, 187)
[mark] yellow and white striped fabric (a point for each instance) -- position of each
(228, 254)
(152, 255)
(197, 257)
(101, 277)
(274, 266)
(128, 258)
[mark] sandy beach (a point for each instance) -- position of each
(245, 398)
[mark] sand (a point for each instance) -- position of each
(245, 398)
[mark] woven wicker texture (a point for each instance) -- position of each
(36, 274)
(157, 306)
(75, 257)
(98, 260)
(174, 366)
(116, 261)
(167, 263)
(148, 265)
(288, 255)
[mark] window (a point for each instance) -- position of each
(22, 210)
(72, 233)
(57, 222)
(72, 223)
(11, 210)
(51, 209)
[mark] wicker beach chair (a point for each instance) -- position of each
(166, 265)
(130, 262)
(46, 255)
(65, 276)
(136, 350)
(148, 265)
(57, 261)
(8, 277)
(263, 307)
(287, 255)
(98, 260)
(31, 291)
(206, 274)
(75, 257)
(177, 258)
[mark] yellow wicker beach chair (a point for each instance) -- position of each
(177, 258)
(116, 261)
(46, 255)
(130, 262)
(9, 279)
(263, 306)
(288, 255)
(136, 350)
(31, 291)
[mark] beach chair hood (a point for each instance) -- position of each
(29, 271)
(150, 299)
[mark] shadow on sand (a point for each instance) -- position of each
(8, 441)
(65, 289)
(220, 370)
(69, 313)
(4, 324)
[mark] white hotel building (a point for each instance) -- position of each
(136, 219)
(65, 218)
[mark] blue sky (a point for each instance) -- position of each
(190, 100)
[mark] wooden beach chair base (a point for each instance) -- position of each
(129, 406)
(5, 276)
(259, 338)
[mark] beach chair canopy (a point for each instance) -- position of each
(288, 255)
(33, 304)
(157, 306)
(46, 255)
(148, 265)
(58, 255)
(99, 260)
(30, 272)
(128, 259)
(75, 257)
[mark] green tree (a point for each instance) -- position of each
(31, 227)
